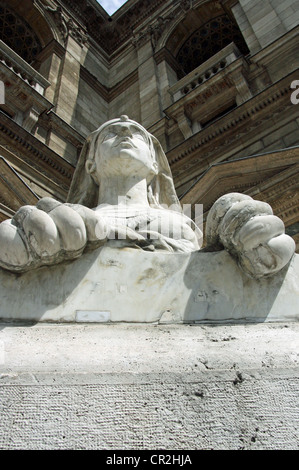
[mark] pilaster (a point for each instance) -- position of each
(69, 81)
(264, 20)
(148, 83)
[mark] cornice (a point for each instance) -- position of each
(51, 120)
(266, 176)
(247, 114)
(111, 32)
(35, 153)
(14, 190)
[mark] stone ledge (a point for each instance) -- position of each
(131, 352)
(136, 387)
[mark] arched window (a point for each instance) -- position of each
(208, 40)
(18, 35)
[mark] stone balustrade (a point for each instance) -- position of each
(22, 69)
(205, 71)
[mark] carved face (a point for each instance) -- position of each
(123, 149)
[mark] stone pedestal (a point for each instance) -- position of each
(207, 358)
(128, 285)
(134, 387)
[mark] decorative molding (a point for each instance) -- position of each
(57, 16)
(30, 119)
(183, 124)
(270, 177)
(153, 31)
(112, 32)
(235, 119)
(164, 55)
(186, 5)
(35, 153)
(77, 33)
(52, 121)
(65, 24)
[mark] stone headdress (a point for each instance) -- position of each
(85, 191)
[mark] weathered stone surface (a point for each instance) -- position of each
(249, 231)
(128, 285)
(151, 387)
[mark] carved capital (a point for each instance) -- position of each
(186, 5)
(153, 31)
(140, 38)
(76, 32)
(65, 25)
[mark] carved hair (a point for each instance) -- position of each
(84, 190)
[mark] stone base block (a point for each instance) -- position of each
(136, 387)
(127, 285)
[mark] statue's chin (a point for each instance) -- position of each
(127, 164)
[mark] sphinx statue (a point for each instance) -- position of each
(122, 193)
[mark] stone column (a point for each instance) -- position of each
(69, 81)
(150, 101)
(51, 61)
(264, 20)
(167, 76)
(163, 74)
(62, 68)
(246, 29)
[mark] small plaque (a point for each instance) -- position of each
(92, 316)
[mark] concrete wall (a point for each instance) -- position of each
(149, 387)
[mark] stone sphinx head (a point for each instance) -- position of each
(122, 148)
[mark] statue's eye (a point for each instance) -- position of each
(108, 136)
(139, 135)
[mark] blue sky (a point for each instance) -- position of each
(111, 5)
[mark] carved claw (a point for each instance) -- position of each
(251, 233)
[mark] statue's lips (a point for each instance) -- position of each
(125, 143)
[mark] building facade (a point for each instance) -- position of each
(214, 81)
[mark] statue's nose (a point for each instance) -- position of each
(126, 131)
